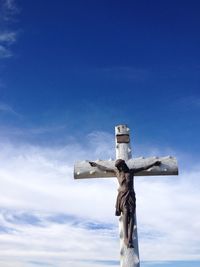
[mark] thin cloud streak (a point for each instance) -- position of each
(8, 109)
(4, 52)
(8, 10)
(191, 101)
(8, 37)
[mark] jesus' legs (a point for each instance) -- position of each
(125, 224)
(130, 230)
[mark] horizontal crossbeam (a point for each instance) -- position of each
(83, 169)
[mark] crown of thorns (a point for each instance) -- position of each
(119, 162)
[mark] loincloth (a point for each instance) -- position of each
(125, 201)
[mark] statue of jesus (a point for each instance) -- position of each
(126, 201)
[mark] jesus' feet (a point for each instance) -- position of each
(130, 244)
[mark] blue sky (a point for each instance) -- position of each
(69, 72)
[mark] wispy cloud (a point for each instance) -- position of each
(10, 4)
(5, 108)
(6, 40)
(166, 221)
(8, 37)
(5, 52)
(8, 11)
(52, 243)
(191, 101)
(127, 73)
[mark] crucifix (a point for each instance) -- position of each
(125, 168)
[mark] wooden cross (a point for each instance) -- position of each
(129, 257)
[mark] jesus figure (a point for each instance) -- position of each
(126, 202)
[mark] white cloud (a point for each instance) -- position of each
(39, 181)
(8, 37)
(5, 52)
(54, 243)
(10, 4)
(50, 178)
(6, 40)
(169, 217)
(8, 10)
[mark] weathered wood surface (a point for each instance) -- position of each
(83, 170)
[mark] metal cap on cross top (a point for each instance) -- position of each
(122, 140)
(122, 134)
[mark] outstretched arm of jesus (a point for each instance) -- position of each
(156, 163)
(101, 167)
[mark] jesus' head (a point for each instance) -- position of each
(121, 165)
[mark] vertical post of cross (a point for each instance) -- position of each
(128, 257)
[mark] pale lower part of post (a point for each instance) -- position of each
(129, 257)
